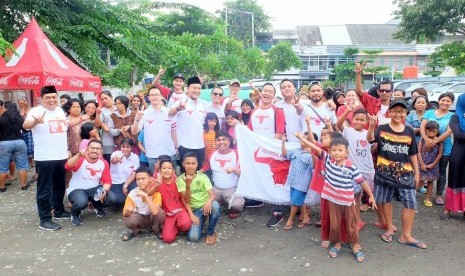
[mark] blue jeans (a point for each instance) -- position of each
(15, 150)
(152, 162)
(117, 189)
(80, 199)
(195, 232)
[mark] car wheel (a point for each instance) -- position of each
(434, 105)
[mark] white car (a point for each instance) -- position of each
(457, 88)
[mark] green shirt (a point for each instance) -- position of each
(199, 189)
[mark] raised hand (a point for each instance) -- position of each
(373, 121)
(182, 105)
(284, 138)
(359, 67)
(161, 71)
(39, 119)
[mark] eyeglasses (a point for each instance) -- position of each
(384, 90)
(94, 148)
(218, 94)
(398, 111)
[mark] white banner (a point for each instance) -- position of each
(264, 169)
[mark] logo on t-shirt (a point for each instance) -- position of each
(57, 126)
(262, 117)
(150, 121)
(93, 171)
(222, 161)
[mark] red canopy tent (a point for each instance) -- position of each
(38, 63)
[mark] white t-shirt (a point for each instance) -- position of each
(218, 164)
(158, 125)
(359, 149)
(120, 172)
(262, 121)
(189, 126)
(219, 111)
(176, 98)
(235, 105)
(316, 124)
(382, 118)
(87, 175)
(107, 137)
(50, 138)
(293, 122)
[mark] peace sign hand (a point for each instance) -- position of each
(39, 119)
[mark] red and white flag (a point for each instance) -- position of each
(264, 169)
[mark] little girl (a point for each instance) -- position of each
(88, 132)
(231, 119)
(429, 161)
(211, 126)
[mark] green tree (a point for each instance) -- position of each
(239, 19)
(4, 46)
(281, 58)
(454, 55)
(436, 61)
(345, 72)
(370, 58)
(428, 19)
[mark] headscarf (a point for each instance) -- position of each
(335, 96)
(460, 111)
(246, 117)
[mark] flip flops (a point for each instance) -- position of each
(439, 201)
(416, 244)
(233, 215)
(359, 256)
(386, 238)
(289, 227)
(127, 235)
(304, 224)
(334, 252)
(209, 240)
(428, 203)
(365, 207)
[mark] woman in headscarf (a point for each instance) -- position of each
(455, 192)
(339, 99)
(246, 107)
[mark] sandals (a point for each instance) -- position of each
(365, 207)
(359, 256)
(209, 240)
(127, 235)
(2, 190)
(289, 227)
(304, 224)
(25, 187)
(325, 244)
(386, 237)
(444, 216)
(233, 215)
(428, 203)
(416, 244)
(334, 252)
(439, 201)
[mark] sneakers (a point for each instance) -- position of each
(275, 219)
(49, 226)
(100, 212)
(62, 216)
(76, 220)
(250, 203)
(422, 190)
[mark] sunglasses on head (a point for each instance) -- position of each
(218, 94)
(384, 90)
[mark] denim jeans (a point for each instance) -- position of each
(80, 199)
(15, 150)
(50, 188)
(441, 184)
(117, 189)
(195, 232)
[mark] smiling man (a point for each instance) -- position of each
(190, 115)
(233, 102)
(49, 131)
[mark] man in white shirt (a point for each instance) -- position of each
(233, 102)
(288, 105)
(49, 131)
(190, 116)
(89, 170)
(224, 164)
(215, 105)
(159, 129)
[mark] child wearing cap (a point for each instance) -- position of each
(396, 171)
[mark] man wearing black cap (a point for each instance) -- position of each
(177, 93)
(396, 171)
(49, 131)
(190, 115)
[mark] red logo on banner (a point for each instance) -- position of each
(279, 168)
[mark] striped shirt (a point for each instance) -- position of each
(339, 188)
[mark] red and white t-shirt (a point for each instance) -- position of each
(219, 163)
(87, 175)
(158, 125)
(262, 121)
(235, 105)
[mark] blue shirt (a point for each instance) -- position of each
(142, 156)
(413, 121)
(443, 123)
(301, 169)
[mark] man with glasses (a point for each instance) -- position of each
(159, 129)
(49, 131)
(89, 170)
(374, 106)
(215, 105)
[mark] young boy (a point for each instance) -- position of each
(396, 163)
(300, 175)
(197, 191)
(141, 210)
(338, 190)
(359, 150)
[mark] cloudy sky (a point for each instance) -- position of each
(291, 13)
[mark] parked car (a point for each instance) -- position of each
(428, 86)
(403, 85)
(457, 88)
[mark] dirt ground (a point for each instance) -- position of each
(245, 246)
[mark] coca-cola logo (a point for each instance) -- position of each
(4, 80)
(29, 80)
(94, 84)
(54, 81)
(76, 83)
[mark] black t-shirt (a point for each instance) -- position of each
(394, 151)
(10, 129)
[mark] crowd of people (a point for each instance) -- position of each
(169, 160)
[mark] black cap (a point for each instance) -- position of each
(193, 80)
(178, 76)
(398, 102)
(47, 90)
